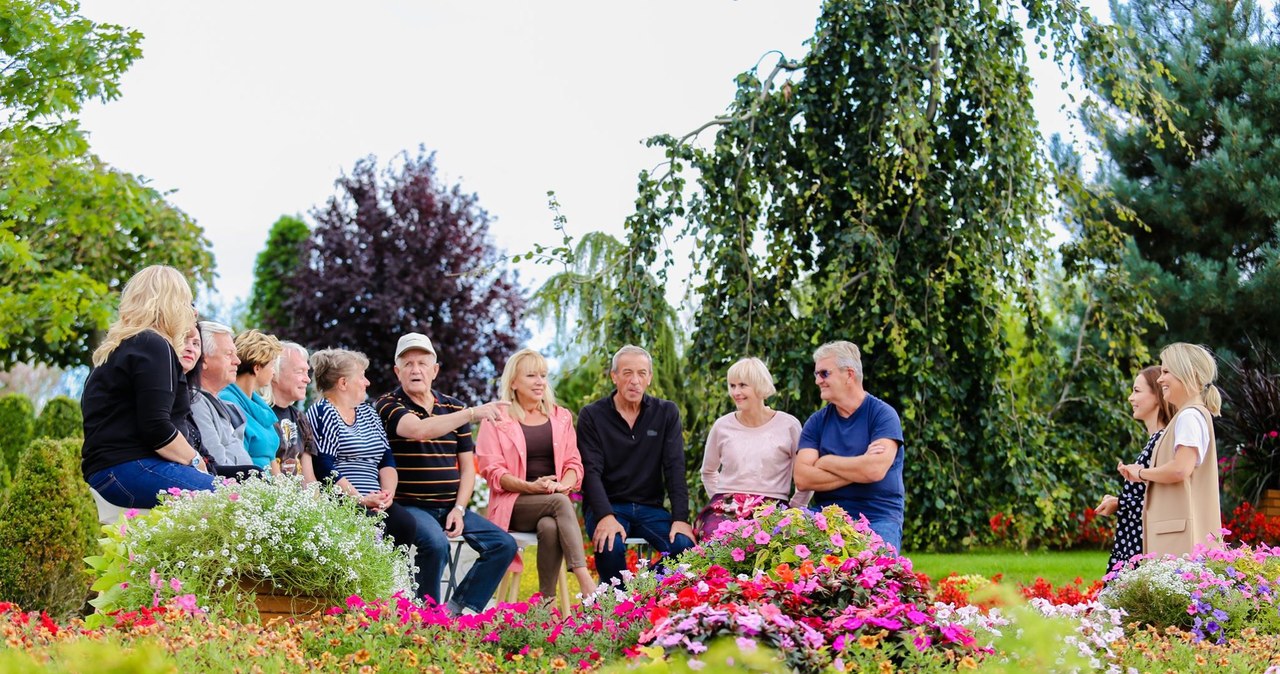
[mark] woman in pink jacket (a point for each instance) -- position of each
(530, 459)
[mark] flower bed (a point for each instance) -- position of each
(832, 600)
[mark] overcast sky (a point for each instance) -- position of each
(251, 110)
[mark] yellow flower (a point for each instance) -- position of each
(886, 667)
(362, 656)
(559, 663)
(967, 662)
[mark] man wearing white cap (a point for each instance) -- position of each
(430, 436)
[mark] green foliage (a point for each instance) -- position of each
(275, 264)
(60, 418)
(49, 521)
(17, 427)
(1204, 212)
(90, 657)
(72, 229)
(888, 188)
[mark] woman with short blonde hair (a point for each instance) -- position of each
(530, 459)
(133, 449)
(750, 453)
(257, 352)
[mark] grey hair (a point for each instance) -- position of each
(629, 350)
(210, 328)
(845, 353)
(284, 352)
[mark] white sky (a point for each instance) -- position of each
(250, 110)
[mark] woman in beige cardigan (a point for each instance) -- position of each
(1182, 508)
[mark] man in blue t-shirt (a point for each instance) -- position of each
(850, 451)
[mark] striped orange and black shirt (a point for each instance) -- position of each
(428, 470)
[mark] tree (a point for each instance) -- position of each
(72, 229)
(1207, 211)
(401, 252)
(275, 264)
(887, 188)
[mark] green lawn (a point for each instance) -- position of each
(1017, 566)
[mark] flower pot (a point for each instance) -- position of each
(274, 606)
(1270, 504)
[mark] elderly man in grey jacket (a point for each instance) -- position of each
(221, 425)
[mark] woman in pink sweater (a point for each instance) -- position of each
(750, 452)
(530, 459)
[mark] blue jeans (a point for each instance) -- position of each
(888, 529)
(134, 484)
(496, 548)
(650, 523)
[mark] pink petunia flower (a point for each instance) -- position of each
(738, 555)
(802, 551)
(763, 538)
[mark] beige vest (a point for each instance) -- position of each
(1178, 516)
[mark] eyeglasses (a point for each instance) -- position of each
(823, 374)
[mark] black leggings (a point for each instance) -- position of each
(398, 524)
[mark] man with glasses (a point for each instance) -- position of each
(851, 450)
(633, 457)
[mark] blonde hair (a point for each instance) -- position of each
(1196, 368)
(845, 353)
(255, 348)
(754, 373)
(525, 360)
(157, 298)
(330, 365)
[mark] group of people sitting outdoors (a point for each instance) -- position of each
(172, 402)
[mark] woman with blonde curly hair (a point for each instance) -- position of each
(257, 353)
(530, 459)
(1183, 508)
(132, 448)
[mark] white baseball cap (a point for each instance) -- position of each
(414, 340)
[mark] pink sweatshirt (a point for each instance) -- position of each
(744, 460)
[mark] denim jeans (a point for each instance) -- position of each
(888, 529)
(496, 549)
(650, 523)
(134, 484)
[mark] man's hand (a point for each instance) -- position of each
(490, 411)
(678, 527)
(606, 530)
(1108, 505)
(453, 523)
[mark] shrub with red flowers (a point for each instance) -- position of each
(1067, 594)
(1251, 527)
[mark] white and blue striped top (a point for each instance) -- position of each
(358, 449)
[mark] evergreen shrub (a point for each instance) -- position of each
(49, 526)
(60, 418)
(17, 425)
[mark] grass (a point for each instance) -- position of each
(1057, 567)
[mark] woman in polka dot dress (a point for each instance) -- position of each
(1149, 407)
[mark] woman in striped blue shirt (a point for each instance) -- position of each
(352, 444)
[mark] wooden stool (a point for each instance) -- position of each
(509, 589)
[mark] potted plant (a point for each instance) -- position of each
(225, 549)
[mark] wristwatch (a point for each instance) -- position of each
(196, 461)
(460, 508)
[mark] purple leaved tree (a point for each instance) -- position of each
(398, 251)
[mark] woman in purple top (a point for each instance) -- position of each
(750, 452)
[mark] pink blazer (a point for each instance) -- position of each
(500, 449)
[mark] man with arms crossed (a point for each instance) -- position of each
(851, 450)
